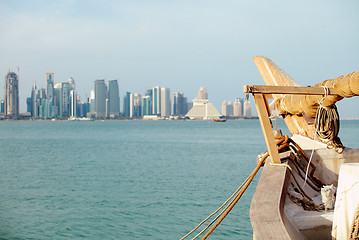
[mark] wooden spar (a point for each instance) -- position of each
(287, 90)
(262, 109)
(261, 94)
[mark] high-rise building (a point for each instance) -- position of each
(92, 102)
(46, 108)
(50, 82)
(100, 98)
(224, 108)
(237, 108)
(28, 105)
(229, 108)
(146, 105)
(65, 100)
(156, 101)
(126, 104)
(137, 105)
(113, 98)
(165, 102)
(2, 106)
(73, 103)
(247, 110)
(131, 113)
(11, 101)
(57, 110)
(179, 104)
(71, 82)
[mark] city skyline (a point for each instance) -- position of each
(182, 45)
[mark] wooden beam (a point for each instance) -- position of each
(263, 89)
(262, 109)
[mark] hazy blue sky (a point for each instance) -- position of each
(182, 45)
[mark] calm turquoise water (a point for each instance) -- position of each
(127, 179)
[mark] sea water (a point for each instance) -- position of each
(127, 179)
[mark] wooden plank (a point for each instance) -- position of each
(262, 109)
(287, 90)
(267, 204)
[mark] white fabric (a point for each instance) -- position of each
(347, 200)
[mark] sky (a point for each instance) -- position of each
(179, 44)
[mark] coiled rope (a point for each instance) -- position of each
(282, 142)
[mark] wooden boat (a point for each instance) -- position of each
(218, 119)
(283, 206)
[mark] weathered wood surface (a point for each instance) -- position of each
(294, 90)
(274, 75)
(267, 204)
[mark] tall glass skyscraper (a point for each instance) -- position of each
(156, 100)
(50, 82)
(65, 100)
(11, 103)
(113, 98)
(100, 98)
(57, 100)
(165, 102)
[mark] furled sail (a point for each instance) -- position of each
(345, 86)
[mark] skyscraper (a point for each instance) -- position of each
(100, 98)
(247, 111)
(126, 105)
(165, 102)
(57, 100)
(65, 100)
(92, 102)
(156, 100)
(237, 108)
(71, 82)
(146, 105)
(11, 101)
(179, 104)
(73, 103)
(50, 82)
(113, 98)
(224, 108)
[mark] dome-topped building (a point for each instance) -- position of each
(202, 109)
(202, 93)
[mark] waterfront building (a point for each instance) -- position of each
(33, 100)
(71, 82)
(224, 108)
(237, 108)
(92, 102)
(202, 109)
(156, 103)
(73, 103)
(57, 110)
(100, 98)
(230, 108)
(65, 100)
(50, 82)
(113, 98)
(165, 102)
(146, 105)
(179, 104)
(126, 104)
(46, 108)
(149, 93)
(130, 105)
(247, 110)
(28, 105)
(137, 105)
(2, 106)
(11, 101)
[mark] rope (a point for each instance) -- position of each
(282, 142)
